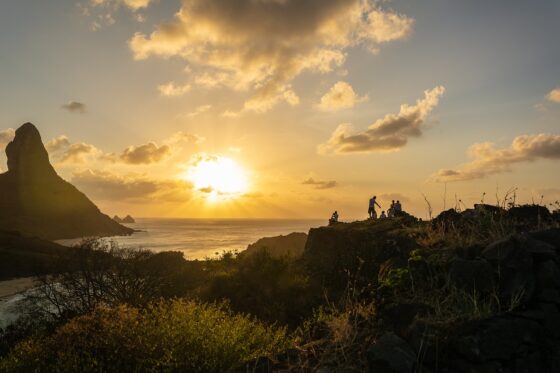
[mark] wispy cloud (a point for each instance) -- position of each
(320, 184)
(75, 107)
(489, 160)
(389, 133)
(173, 90)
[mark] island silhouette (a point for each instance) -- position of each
(36, 201)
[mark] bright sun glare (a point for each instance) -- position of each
(218, 176)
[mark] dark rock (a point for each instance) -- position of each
(129, 220)
(513, 265)
(398, 317)
(548, 275)
(549, 296)
(550, 236)
(291, 245)
(391, 354)
(483, 208)
(35, 201)
(529, 213)
(472, 274)
(117, 219)
(357, 249)
(447, 219)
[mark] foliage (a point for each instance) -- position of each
(102, 273)
(173, 335)
(275, 289)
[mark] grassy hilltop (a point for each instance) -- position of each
(477, 290)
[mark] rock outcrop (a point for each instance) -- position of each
(290, 245)
(128, 220)
(35, 201)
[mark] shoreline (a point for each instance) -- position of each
(9, 288)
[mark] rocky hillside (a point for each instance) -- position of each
(35, 201)
(290, 245)
(480, 293)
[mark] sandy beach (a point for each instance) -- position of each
(11, 287)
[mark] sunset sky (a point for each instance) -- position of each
(287, 108)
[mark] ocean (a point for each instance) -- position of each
(196, 238)
(204, 238)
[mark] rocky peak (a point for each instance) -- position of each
(27, 154)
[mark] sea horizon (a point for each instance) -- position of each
(201, 238)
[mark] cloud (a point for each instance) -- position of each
(75, 107)
(262, 45)
(172, 90)
(145, 154)
(57, 144)
(130, 4)
(104, 185)
(320, 184)
(487, 160)
(6, 136)
(199, 110)
(554, 95)
(389, 133)
(77, 153)
(340, 96)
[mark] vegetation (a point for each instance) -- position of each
(104, 308)
(173, 335)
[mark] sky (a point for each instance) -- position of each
(287, 108)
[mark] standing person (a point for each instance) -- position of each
(398, 207)
(371, 210)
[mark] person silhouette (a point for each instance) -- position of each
(391, 211)
(398, 207)
(334, 218)
(371, 210)
(382, 216)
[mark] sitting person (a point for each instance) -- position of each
(334, 218)
(383, 216)
(391, 211)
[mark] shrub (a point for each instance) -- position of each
(173, 335)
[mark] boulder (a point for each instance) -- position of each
(472, 275)
(391, 354)
(513, 266)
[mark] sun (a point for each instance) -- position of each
(218, 176)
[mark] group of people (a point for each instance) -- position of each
(395, 208)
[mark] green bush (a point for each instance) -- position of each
(173, 335)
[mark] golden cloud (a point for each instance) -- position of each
(263, 45)
(487, 160)
(107, 186)
(145, 154)
(6, 136)
(340, 96)
(173, 90)
(389, 133)
(554, 95)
